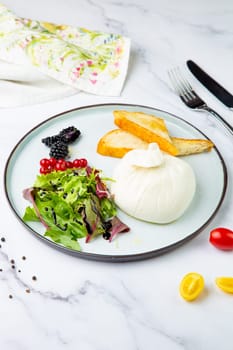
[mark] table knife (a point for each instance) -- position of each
(217, 90)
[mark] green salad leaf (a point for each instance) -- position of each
(30, 215)
(72, 204)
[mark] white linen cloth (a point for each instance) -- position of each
(24, 85)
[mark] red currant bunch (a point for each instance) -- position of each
(51, 164)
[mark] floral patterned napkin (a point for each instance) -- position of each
(91, 61)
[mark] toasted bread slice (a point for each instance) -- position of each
(147, 127)
(116, 143)
(192, 146)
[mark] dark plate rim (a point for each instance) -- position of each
(104, 257)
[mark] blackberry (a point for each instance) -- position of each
(50, 140)
(59, 150)
(69, 135)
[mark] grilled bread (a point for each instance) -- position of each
(147, 127)
(192, 146)
(117, 142)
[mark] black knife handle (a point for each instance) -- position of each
(212, 85)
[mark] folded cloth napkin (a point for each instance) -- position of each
(76, 58)
(23, 85)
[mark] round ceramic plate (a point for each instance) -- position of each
(144, 239)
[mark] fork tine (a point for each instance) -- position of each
(177, 83)
(171, 75)
(180, 84)
(188, 95)
(188, 88)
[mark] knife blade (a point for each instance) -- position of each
(215, 88)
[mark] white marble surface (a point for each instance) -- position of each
(79, 304)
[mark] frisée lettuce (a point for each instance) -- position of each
(73, 204)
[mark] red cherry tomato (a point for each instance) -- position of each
(222, 238)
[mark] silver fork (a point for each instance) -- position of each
(190, 97)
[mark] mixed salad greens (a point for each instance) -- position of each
(73, 204)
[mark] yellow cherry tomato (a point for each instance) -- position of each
(191, 286)
(225, 284)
